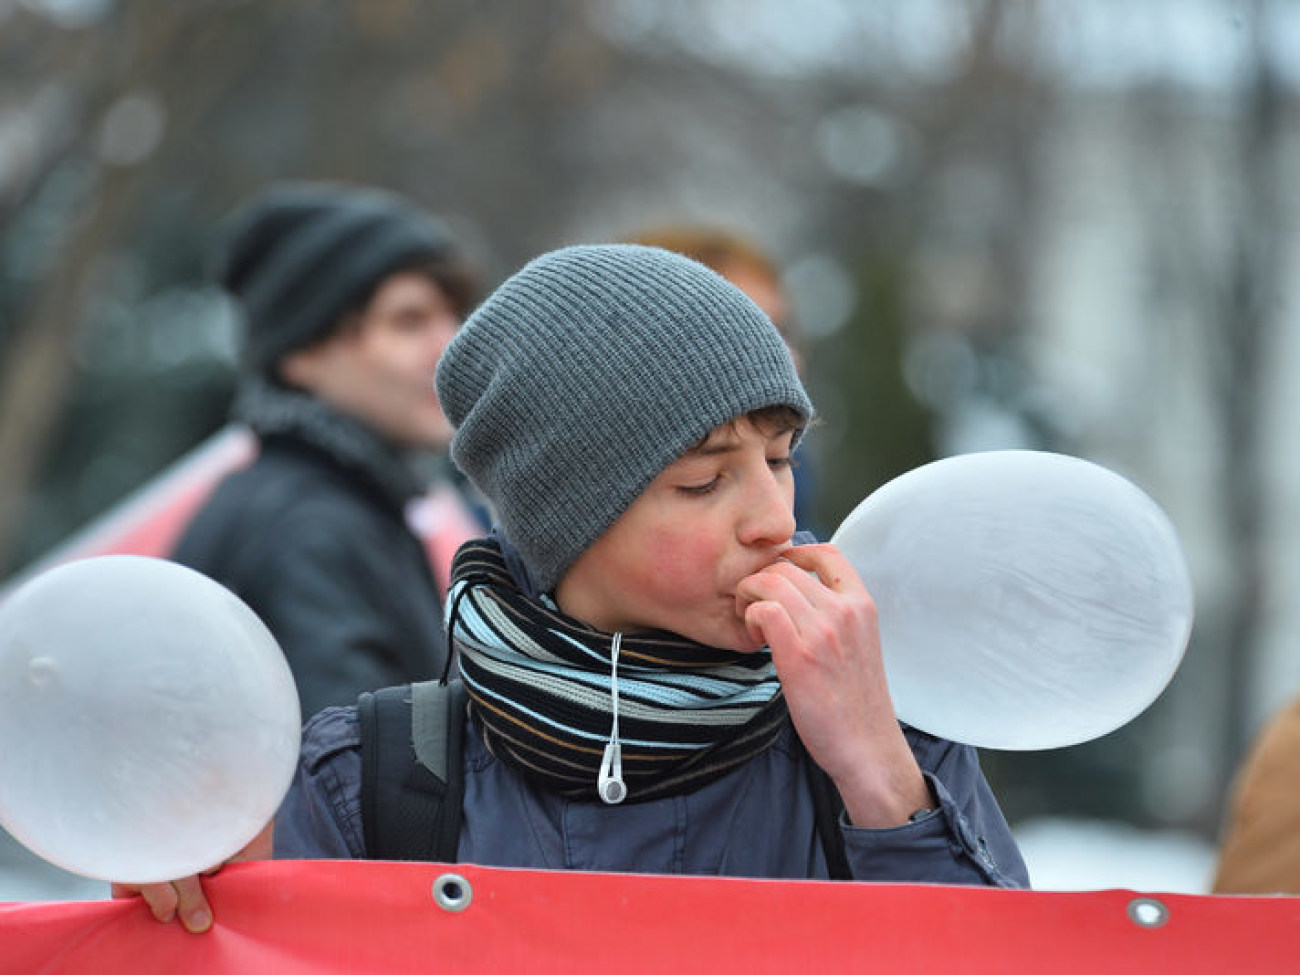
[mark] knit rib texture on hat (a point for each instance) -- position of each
(303, 254)
(586, 374)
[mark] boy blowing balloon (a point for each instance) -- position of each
(631, 415)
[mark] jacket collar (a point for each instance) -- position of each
(275, 411)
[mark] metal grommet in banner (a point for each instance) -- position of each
(1147, 912)
(452, 892)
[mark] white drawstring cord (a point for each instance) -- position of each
(610, 783)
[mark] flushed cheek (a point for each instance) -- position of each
(694, 594)
(687, 562)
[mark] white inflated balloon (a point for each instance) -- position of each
(1027, 600)
(149, 725)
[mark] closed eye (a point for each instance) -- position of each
(697, 490)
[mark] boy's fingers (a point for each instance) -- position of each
(161, 898)
(770, 623)
(790, 586)
(780, 581)
(753, 622)
(192, 905)
(183, 899)
(832, 568)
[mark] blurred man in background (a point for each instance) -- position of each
(349, 295)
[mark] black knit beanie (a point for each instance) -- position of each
(301, 255)
(586, 374)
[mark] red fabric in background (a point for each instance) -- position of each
(293, 917)
(150, 521)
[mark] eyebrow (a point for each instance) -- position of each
(717, 443)
(714, 446)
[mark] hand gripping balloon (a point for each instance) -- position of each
(1026, 600)
(149, 725)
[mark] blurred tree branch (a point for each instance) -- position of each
(1248, 326)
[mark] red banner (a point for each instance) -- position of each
(293, 917)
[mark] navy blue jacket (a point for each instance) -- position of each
(757, 821)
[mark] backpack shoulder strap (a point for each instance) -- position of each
(412, 772)
(827, 807)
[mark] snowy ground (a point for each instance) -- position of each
(26, 877)
(1062, 855)
(1068, 854)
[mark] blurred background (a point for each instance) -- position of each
(1060, 225)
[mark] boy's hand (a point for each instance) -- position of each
(182, 900)
(820, 622)
(185, 899)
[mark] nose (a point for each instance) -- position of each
(768, 515)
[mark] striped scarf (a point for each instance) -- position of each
(542, 686)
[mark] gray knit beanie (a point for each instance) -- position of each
(586, 374)
(301, 255)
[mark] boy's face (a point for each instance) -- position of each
(380, 368)
(672, 561)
